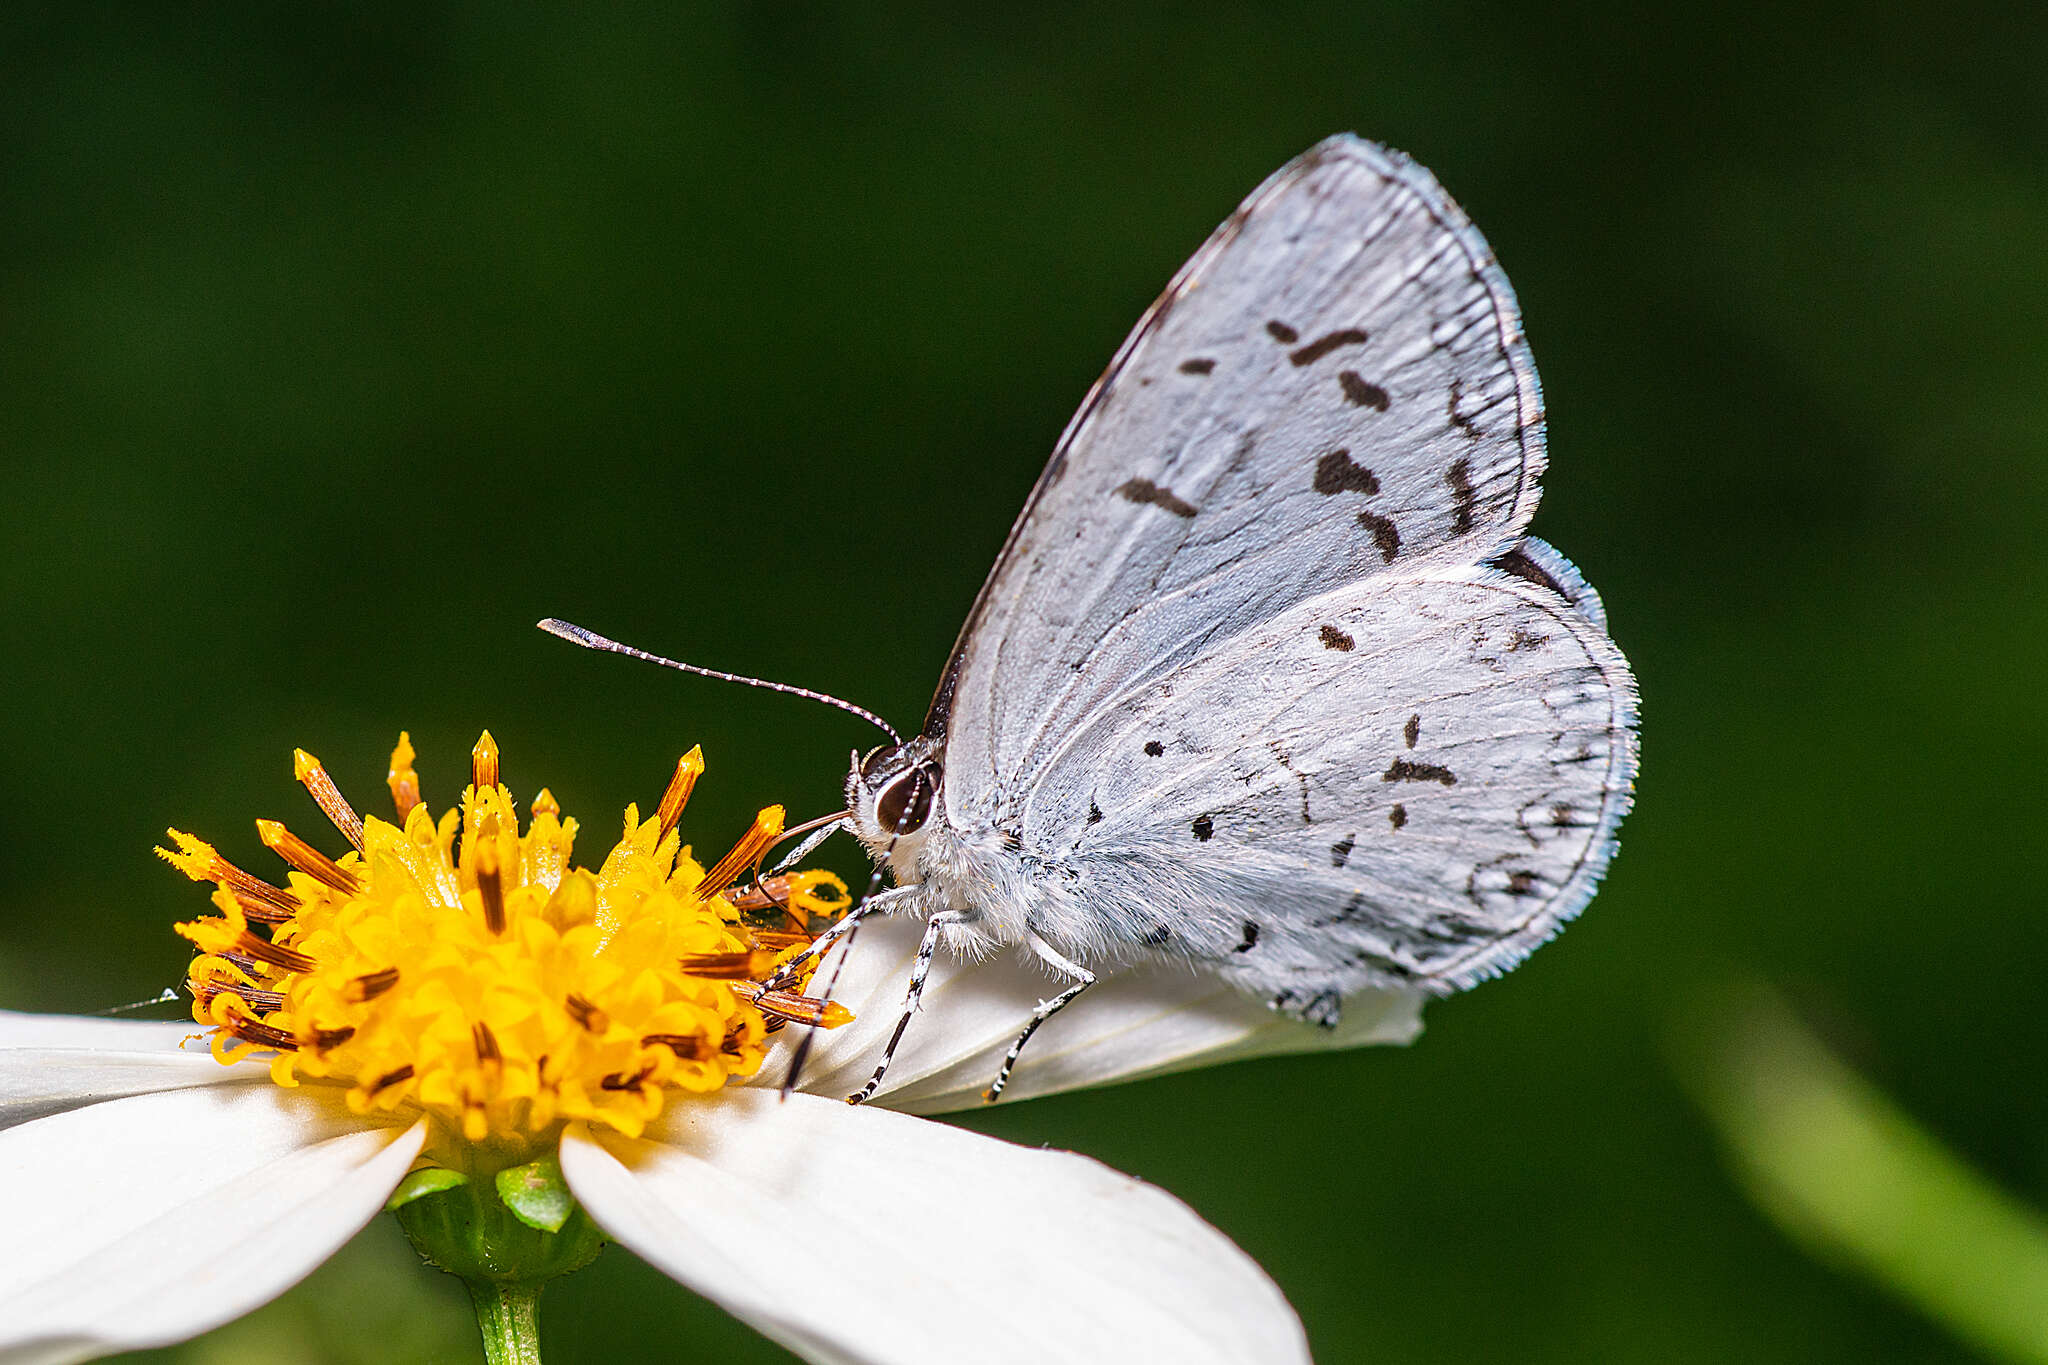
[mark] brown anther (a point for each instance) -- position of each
(256, 912)
(621, 1081)
(753, 845)
(262, 1001)
(327, 1039)
(749, 966)
(402, 779)
(306, 858)
(391, 1078)
(486, 1043)
(687, 1047)
(689, 768)
(483, 762)
(789, 1005)
(276, 954)
(262, 1034)
(313, 777)
(370, 985)
(490, 885)
(587, 1013)
(545, 804)
(775, 940)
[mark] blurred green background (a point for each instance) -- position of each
(338, 343)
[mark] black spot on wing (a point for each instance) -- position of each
(1322, 346)
(1464, 501)
(1156, 937)
(1525, 639)
(1385, 534)
(1094, 814)
(1521, 883)
(1518, 563)
(1197, 365)
(1561, 816)
(1153, 748)
(1145, 491)
(1362, 393)
(1398, 816)
(1336, 473)
(1251, 938)
(1412, 731)
(1203, 827)
(1340, 852)
(1336, 639)
(1282, 333)
(1405, 770)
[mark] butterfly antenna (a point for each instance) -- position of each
(590, 639)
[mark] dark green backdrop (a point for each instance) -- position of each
(339, 343)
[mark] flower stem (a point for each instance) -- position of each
(509, 1317)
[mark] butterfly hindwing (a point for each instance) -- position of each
(1407, 781)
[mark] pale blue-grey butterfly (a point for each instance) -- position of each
(1268, 677)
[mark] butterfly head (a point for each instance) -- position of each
(893, 793)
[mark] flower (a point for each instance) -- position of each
(437, 1009)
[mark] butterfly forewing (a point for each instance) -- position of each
(1334, 388)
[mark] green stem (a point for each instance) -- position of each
(509, 1317)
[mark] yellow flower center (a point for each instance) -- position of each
(464, 967)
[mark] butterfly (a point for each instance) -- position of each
(1269, 678)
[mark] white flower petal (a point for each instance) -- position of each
(145, 1221)
(858, 1235)
(51, 1063)
(1143, 1020)
(72, 1030)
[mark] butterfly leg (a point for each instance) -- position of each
(914, 998)
(881, 903)
(1083, 979)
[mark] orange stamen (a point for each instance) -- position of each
(689, 768)
(797, 1009)
(728, 966)
(753, 845)
(483, 762)
(490, 885)
(276, 954)
(306, 858)
(201, 862)
(313, 776)
(402, 779)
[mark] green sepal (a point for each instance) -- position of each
(536, 1194)
(468, 1230)
(426, 1180)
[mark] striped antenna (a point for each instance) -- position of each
(590, 639)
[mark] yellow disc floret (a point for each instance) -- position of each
(463, 966)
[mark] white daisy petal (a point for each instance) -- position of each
(37, 1080)
(145, 1221)
(73, 1030)
(858, 1235)
(1136, 1021)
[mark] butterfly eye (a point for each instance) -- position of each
(906, 803)
(878, 758)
